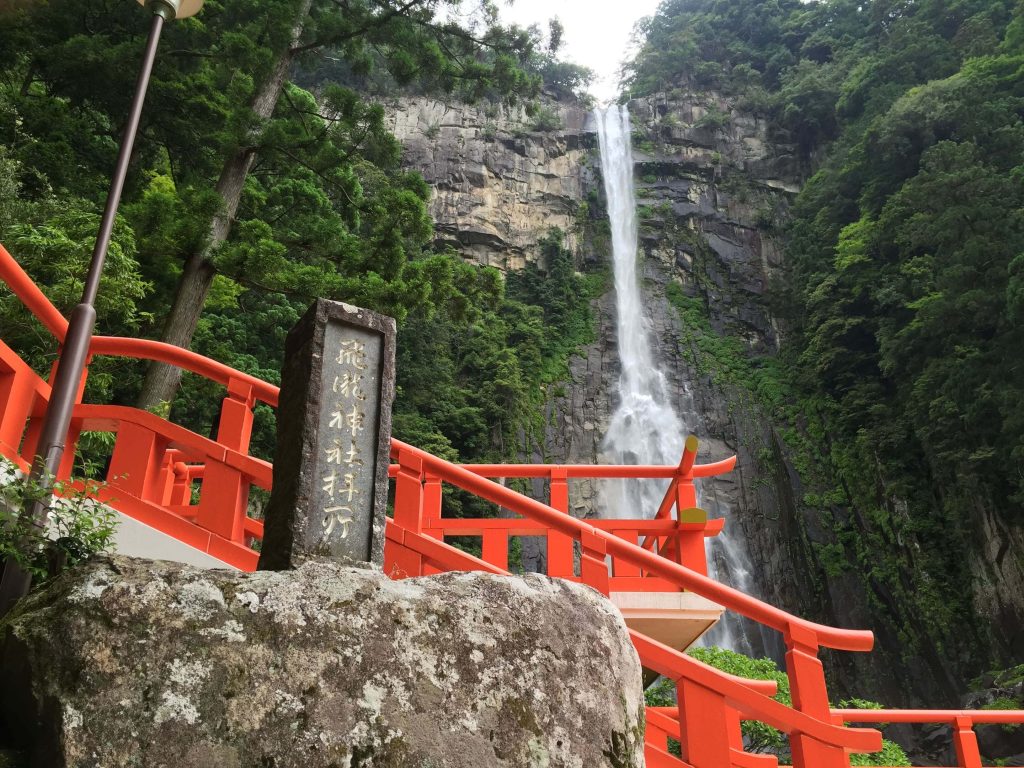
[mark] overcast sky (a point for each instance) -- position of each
(597, 32)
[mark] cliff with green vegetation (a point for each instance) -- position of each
(830, 197)
(872, 365)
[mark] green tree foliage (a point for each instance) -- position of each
(810, 65)
(905, 276)
(239, 172)
(489, 354)
(53, 240)
(78, 527)
(250, 196)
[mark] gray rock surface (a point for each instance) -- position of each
(138, 663)
(498, 184)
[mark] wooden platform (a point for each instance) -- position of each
(676, 619)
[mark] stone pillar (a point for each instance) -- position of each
(333, 438)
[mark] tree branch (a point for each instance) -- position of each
(378, 21)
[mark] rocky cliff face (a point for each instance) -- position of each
(710, 184)
(500, 177)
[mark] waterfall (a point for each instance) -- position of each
(646, 427)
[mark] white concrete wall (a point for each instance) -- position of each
(137, 539)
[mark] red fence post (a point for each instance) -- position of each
(810, 695)
(965, 742)
(223, 501)
(67, 461)
(432, 498)
(703, 726)
(136, 462)
(224, 495)
(593, 563)
(399, 560)
(560, 545)
(17, 396)
(693, 552)
(235, 427)
(654, 735)
(494, 548)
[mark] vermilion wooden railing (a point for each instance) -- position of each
(156, 463)
(679, 538)
(711, 706)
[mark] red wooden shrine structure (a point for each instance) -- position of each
(196, 490)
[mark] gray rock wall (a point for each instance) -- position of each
(141, 663)
(499, 184)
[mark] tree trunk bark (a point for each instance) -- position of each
(162, 380)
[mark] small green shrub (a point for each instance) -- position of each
(546, 119)
(714, 119)
(1005, 702)
(78, 528)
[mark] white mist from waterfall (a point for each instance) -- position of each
(645, 427)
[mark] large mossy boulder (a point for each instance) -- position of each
(127, 662)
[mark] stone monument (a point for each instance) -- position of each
(333, 438)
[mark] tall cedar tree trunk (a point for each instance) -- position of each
(162, 380)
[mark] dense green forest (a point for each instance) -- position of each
(901, 383)
(264, 176)
(249, 196)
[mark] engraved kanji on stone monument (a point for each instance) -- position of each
(333, 438)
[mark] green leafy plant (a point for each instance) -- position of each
(714, 119)
(546, 119)
(78, 526)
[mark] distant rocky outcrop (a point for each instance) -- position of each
(501, 178)
(140, 663)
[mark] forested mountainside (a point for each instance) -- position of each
(249, 196)
(830, 203)
(898, 387)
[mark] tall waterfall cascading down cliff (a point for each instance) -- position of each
(645, 427)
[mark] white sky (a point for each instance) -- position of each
(597, 32)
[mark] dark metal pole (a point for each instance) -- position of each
(15, 581)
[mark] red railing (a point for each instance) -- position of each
(679, 538)
(711, 706)
(961, 722)
(155, 465)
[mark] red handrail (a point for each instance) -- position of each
(34, 299)
(840, 639)
(819, 739)
(594, 471)
(979, 716)
(144, 349)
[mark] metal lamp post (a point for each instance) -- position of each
(15, 581)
